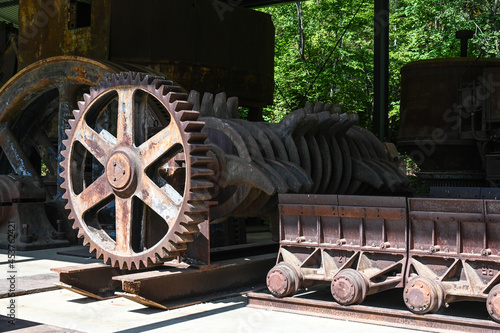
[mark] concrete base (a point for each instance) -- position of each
(64, 311)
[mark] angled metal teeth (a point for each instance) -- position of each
(232, 107)
(220, 105)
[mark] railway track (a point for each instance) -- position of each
(385, 309)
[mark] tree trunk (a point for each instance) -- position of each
(300, 16)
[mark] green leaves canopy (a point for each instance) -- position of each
(419, 29)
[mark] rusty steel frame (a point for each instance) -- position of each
(450, 249)
(454, 252)
(348, 241)
(171, 285)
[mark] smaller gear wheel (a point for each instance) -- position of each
(135, 170)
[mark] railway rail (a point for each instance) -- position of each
(378, 311)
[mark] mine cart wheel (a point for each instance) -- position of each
(135, 152)
(349, 287)
(493, 303)
(283, 280)
(423, 295)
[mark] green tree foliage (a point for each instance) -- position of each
(333, 61)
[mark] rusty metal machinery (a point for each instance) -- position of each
(23, 217)
(157, 182)
(101, 30)
(312, 150)
(359, 246)
(227, 49)
(137, 148)
(449, 118)
(35, 106)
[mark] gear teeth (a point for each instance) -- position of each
(201, 184)
(178, 96)
(199, 149)
(202, 172)
(194, 218)
(183, 238)
(200, 161)
(86, 100)
(194, 97)
(207, 105)
(190, 228)
(158, 82)
(179, 246)
(232, 107)
(200, 196)
(188, 115)
(180, 105)
(220, 105)
(194, 126)
(165, 253)
(196, 137)
(196, 208)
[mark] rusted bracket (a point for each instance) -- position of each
(170, 286)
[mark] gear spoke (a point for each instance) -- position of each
(126, 109)
(165, 201)
(93, 195)
(98, 145)
(160, 143)
(124, 216)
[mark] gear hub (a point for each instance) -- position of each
(349, 287)
(423, 295)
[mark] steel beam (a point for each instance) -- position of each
(381, 68)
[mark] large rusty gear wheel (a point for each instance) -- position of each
(136, 146)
